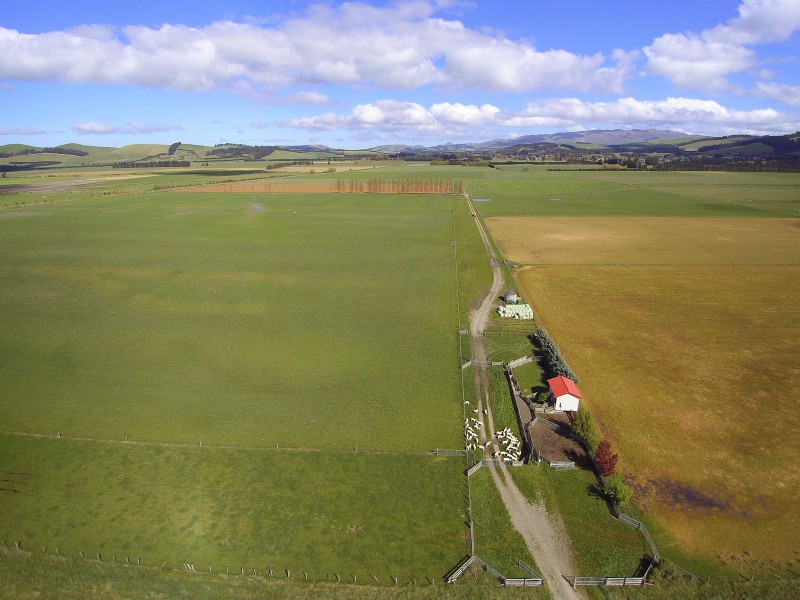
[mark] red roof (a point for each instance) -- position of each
(561, 385)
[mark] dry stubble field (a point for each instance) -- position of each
(685, 332)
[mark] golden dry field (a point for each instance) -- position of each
(647, 240)
(686, 335)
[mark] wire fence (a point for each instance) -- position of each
(126, 561)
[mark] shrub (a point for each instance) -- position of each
(606, 458)
(616, 489)
(554, 361)
(583, 425)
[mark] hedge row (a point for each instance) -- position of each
(554, 362)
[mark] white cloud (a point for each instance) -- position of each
(21, 131)
(458, 120)
(94, 127)
(404, 46)
(704, 61)
(687, 113)
(691, 61)
(788, 94)
(307, 98)
(134, 127)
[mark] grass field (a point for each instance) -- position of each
(496, 540)
(602, 546)
(231, 312)
(322, 323)
(685, 344)
(514, 191)
(258, 508)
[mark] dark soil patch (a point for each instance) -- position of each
(558, 446)
(680, 496)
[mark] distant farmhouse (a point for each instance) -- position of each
(564, 394)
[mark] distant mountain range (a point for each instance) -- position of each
(596, 137)
(641, 141)
(564, 144)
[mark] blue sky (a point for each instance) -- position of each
(361, 74)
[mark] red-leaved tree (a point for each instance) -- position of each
(606, 458)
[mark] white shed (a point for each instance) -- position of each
(511, 297)
(565, 394)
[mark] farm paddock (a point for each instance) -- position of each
(558, 446)
(203, 375)
(338, 186)
(678, 361)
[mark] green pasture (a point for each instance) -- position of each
(601, 545)
(346, 512)
(49, 577)
(295, 155)
(307, 321)
(35, 187)
(496, 540)
(515, 191)
(504, 410)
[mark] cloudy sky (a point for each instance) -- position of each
(364, 73)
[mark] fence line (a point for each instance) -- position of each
(471, 471)
(460, 568)
(550, 424)
(608, 581)
(614, 506)
(520, 361)
(690, 576)
(449, 452)
(560, 465)
(529, 570)
(129, 562)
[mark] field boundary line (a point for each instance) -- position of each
(280, 574)
(204, 446)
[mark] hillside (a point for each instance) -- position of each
(549, 146)
(79, 155)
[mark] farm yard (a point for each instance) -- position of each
(683, 329)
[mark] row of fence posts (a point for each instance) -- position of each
(190, 566)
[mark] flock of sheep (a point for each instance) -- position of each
(471, 432)
(509, 444)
